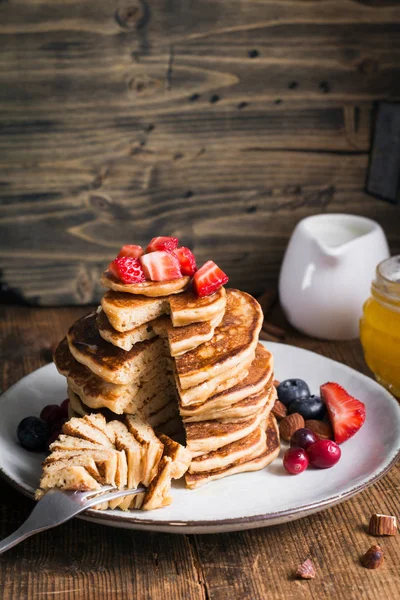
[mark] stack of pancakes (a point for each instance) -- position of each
(159, 350)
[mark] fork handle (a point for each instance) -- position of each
(35, 524)
(18, 536)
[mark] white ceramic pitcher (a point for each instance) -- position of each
(327, 271)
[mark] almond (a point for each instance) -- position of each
(373, 558)
(279, 410)
(289, 425)
(306, 570)
(322, 430)
(276, 383)
(382, 525)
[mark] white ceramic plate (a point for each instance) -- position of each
(244, 501)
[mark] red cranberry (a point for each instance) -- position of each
(50, 413)
(303, 438)
(324, 454)
(295, 460)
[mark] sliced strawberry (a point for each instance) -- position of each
(186, 260)
(160, 266)
(130, 250)
(208, 279)
(346, 413)
(162, 243)
(127, 269)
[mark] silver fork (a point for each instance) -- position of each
(57, 507)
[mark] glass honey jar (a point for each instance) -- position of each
(380, 325)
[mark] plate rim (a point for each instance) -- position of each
(112, 518)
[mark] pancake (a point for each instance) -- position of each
(240, 410)
(173, 465)
(179, 339)
(126, 312)
(76, 407)
(80, 460)
(97, 393)
(128, 454)
(269, 453)
(91, 428)
(190, 308)
(76, 479)
(179, 455)
(240, 451)
(127, 339)
(67, 443)
(250, 405)
(158, 413)
(224, 381)
(158, 493)
(260, 375)
(207, 436)
(183, 339)
(107, 361)
(152, 447)
(234, 340)
(125, 441)
(105, 461)
(148, 288)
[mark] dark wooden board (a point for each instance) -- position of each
(384, 169)
(222, 122)
(84, 561)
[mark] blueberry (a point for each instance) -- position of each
(33, 433)
(309, 408)
(292, 389)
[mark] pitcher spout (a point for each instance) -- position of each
(335, 236)
(328, 255)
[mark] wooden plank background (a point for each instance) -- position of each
(222, 122)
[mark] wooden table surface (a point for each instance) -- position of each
(87, 561)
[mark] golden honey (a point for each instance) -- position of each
(380, 325)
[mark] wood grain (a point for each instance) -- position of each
(221, 122)
(84, 561)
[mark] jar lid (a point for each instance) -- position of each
(387, 282)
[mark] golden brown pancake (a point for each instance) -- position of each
(179, 455)
(240, 410)
(148, 288)
(127, 339)
(182, 339)
(205, 436)
(107, 361)
(224, 381)
(126, 454)
(260, 375)
(179, 339)
(155, 383)
(188, 307)
(235, 453)
(126, 312)
(233, 341)
(270, 452)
